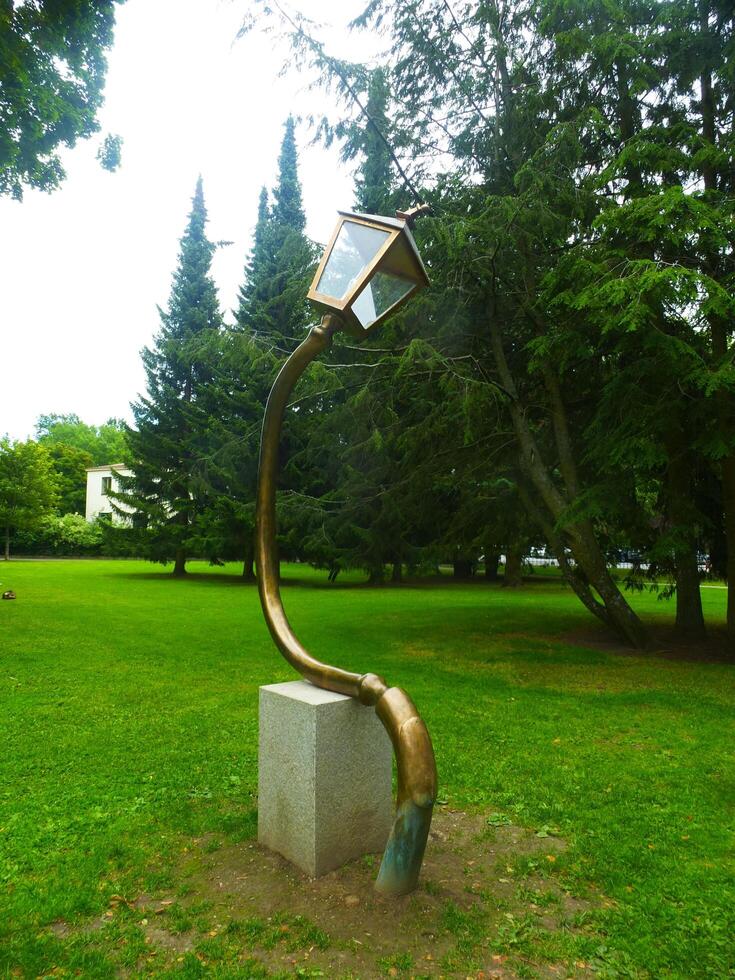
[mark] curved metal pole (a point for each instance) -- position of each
(404, 852)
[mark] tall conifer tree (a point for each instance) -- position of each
(374, 178)
(273, 297)
(372, 463)
(288, 208)
(169, 418)
(372, 525)
(258, 265)
(271, 318)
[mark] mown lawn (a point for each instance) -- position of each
(128, 727)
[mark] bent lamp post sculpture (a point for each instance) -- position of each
(370, 267)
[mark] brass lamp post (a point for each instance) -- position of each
(370, 268)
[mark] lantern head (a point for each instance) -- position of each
(370, 268)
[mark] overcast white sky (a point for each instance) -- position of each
(82, 269)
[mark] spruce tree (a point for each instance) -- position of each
(288, 208)
(375, 462)
(258, 266)
(374, 178)
(585, 219)
(293, 254)
(225, 478)
(233, 403)
(271, 319)
(365, 519)
(166, 442)
(277, 273)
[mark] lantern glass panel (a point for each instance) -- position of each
(354, 248)
(383, 291)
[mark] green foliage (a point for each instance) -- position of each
(280, 265)
(64, 534)
(362, 499)
(105, 443)
(166, 442)
(74, 446)
(52, 65)
(70, 468)
(288, 209)
(258, 262)
(72, 534)
(578, 159)
(270, 320)
(109, 153)
(225, 472)
(367, 141)
(27, 486)
(568, 378)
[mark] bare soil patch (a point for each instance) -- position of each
(488, 907)
(666, 644)
(471, 895)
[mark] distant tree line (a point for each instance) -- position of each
(43, 485)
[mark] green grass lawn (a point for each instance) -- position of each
(128, 728)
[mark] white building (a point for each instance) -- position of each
(100, 480)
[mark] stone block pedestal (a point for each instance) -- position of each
(324, 777)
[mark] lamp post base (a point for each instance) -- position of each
(324, 778)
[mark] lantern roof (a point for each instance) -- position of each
(370, 267)
(401, 225)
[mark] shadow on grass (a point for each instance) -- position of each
(219, 578)
(666, 644)
(206, 578)
(296, 581)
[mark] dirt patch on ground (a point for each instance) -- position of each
(665, 643)
(480, 910)
(488, 907)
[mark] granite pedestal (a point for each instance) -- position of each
(324, 777)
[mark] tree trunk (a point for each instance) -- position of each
(571, 576)
(689, 616)
(376, 574)
(7, 543)
(583, 542)
(397, 574)
(248, 572)
(513, 577)
(462, 568)
(491, 565)
(623, 620)
(581, 536)
(179, 563)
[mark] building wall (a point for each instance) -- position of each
(97, 501)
